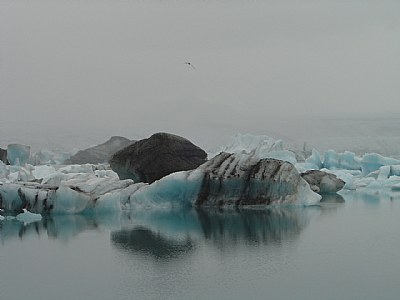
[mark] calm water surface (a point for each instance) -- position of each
(344, 249)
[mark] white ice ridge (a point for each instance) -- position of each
(262, 146)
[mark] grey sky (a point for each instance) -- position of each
(116, 67)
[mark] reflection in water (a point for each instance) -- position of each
(164, 234)
(371, 196)
(62, 227)
(147, 242)
(252, 226)
(167, 234)
(332, 198)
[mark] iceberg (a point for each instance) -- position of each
(71, 197)
(231, 179)
(347, 160)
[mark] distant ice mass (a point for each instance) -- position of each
(262, 146)
(18, 154)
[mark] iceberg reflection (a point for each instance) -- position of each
(171, 233)
(164, 234)
(252, 226)
(61, 227)
(145, 241)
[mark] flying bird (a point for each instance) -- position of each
(189, 64)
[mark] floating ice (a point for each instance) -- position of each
(230, 179)
(28, 217)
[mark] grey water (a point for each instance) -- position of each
(346, 248)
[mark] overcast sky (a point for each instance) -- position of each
(116, 67)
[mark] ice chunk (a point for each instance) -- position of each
(40, 172)
(372, 161)
(179, 189)
(347, 160)
(18, 154)
(10, 200)
(25, 173)
(70, 201)
(348, 176)
(117, 199)
(323, 182)
(384, 172)
(314, 160)
(78, 196)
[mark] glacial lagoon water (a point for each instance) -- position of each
(346, 248)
